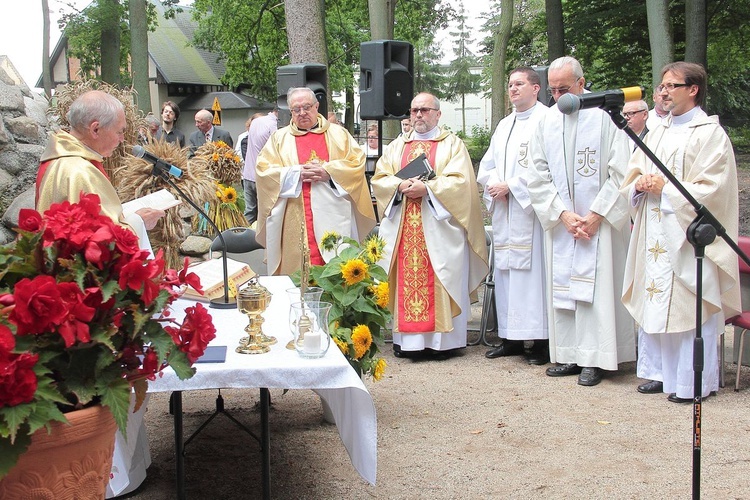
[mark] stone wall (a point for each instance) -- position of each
(23, 136)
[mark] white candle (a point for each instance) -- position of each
(312, 342)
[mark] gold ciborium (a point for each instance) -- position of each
(253, 301)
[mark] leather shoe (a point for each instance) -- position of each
(590, 376)
(539, 354)
(507, 348)
(672, 398)
(563, 370)
(651, 387)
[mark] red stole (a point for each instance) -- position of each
(43, 169)
(416, 278)
(311, 148)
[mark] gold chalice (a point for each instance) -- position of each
(253, 301)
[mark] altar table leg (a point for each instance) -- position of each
(179, 443)
(265, 402)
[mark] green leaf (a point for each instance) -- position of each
(10, 453)
(116, 397)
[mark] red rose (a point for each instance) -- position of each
(126, 240)
(39, 306)
(75, 325)
(139, 274)
(195, 333)
(7, 340)
(29, 220)
(17, 379)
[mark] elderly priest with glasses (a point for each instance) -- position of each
(435, 254)
(311, 179)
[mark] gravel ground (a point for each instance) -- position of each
(467, 427)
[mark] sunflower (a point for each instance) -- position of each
(354, 271)
(329, 240)
(374, 249)
(230, 195)
(381, 293)
(343, 346)
(215, 157)
(379, 370)
(362, 340)
(221, 144)
(220, 194)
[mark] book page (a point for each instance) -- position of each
(161, 200)
(211, 274)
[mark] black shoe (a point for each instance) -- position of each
(651, 387)
(539, 354)
(672, 398)
(563, 370)
(590, 376)
(398, 352)
(507, 348)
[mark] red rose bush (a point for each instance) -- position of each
(85, 319)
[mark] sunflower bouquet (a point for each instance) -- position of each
(226, 165)
(358, 289)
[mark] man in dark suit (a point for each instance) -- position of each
(207, 132)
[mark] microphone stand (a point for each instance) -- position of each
(700, 233)
(161, 170)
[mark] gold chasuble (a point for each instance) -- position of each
(320, 206)
(416, 278)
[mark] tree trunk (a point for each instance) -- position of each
(46, 70)
(696, 39)
(498, 63)
(382, 14)
(139, 53)
(305, 33)
(555, 29)
(659, 37)
(110, 41)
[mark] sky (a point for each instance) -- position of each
(21, 31)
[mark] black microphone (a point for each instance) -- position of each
(570, 103)
(160, 166)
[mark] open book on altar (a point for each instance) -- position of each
(211, 274)
(161, 200)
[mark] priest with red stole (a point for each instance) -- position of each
(435, 254)
(311, 179)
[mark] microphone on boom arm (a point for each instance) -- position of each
(159, 164)
(608, 99)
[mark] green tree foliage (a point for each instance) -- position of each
(462, 79)
(84, 32)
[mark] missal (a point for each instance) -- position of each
(161, 200)
(211, 274)
(419, 167)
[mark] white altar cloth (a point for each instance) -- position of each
(330, 376)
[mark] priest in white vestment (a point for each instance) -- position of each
(660, 275)
(435, 254)
(578, 162)
(516, 232)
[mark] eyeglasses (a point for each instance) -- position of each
(424, 111)
(299, 109)
(669, 87)
(631, 114)
(552, 91)
(372, 137)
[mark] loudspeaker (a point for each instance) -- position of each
(311, 75)
(543, 96)
(386, 79)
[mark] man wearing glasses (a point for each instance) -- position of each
(636, 113)
(660, 276)
(311, 179)
(517, 235)
(435, 254)
(577, 164)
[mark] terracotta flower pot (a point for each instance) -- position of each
(74, 461)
